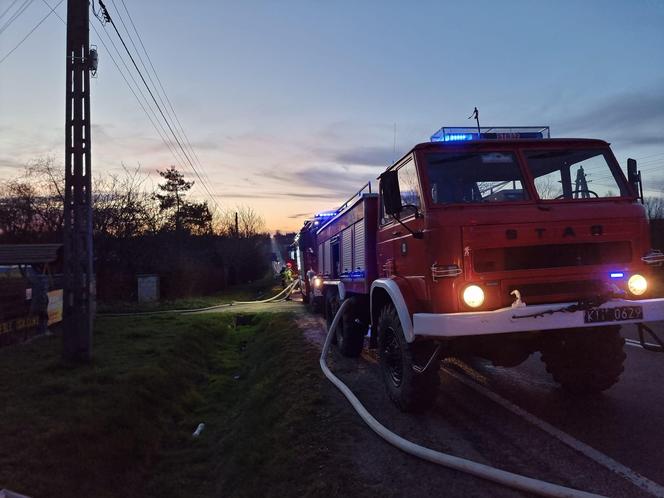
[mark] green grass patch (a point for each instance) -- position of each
(98, 429)
(122, 425)
(248, 292)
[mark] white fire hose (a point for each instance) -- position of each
(282, 296)
(285, 293)
(508, 479)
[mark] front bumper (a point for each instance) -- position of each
(525, 319)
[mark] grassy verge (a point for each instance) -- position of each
(122, 425)
(248, 292)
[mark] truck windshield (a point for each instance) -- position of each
(575, 174)
(473, 177)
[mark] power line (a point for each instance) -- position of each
(8, 9)
(178, 159)
(648, 157)
(131, 39)
(138, 99)
(179, 130)
(156, 122)
(605, 177)
(168, 124)
(29, 33)
(163, 90)
(652, 170)
(54, 12)
(652, 161)
(169, 143)
(16, 15)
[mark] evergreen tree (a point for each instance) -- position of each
(193, 217)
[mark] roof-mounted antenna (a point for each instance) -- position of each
(476, 115)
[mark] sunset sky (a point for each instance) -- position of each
(292, 105)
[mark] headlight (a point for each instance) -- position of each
(637, 284)
(317, 282)
(473, 296)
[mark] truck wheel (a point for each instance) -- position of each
(585, 361)
(349, 333)
(313, 303)
(409, 390)
(331, 306)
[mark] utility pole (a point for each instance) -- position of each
(77, 306)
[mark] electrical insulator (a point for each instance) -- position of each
(93, 61)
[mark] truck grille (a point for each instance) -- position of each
(551, 256)
(533, 293)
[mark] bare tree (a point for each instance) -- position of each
(654, 207)
(547, 187)
(123, 208)
(32, 202)
(249, 222)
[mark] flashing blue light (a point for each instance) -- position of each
(353, 274)
(451, 137)
(326, 214)
(616, 274)
(457, 137)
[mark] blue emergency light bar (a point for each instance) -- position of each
(326, 214)
(457, 137)
(616, 274)
(464, 134)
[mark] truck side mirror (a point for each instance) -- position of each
(634, 178)
(389, 189)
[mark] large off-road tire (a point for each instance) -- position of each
(585, 361)
(409, 390)
(350, 333)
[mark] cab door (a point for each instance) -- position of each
(404, 256)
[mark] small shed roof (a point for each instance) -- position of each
(25, 254)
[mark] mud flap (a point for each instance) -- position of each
(643, 330)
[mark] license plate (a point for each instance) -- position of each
(618, 314)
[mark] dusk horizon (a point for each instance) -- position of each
(293, 108)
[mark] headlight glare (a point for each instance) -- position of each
(473, 296)
(637, 284)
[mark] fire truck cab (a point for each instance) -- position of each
(500, 243)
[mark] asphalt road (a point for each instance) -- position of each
(624, 423)
(620, 428)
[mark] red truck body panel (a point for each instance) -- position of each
(347, 244)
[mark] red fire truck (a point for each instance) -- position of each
(304, 252)
(494, 242)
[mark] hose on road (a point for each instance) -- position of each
(482, 471)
